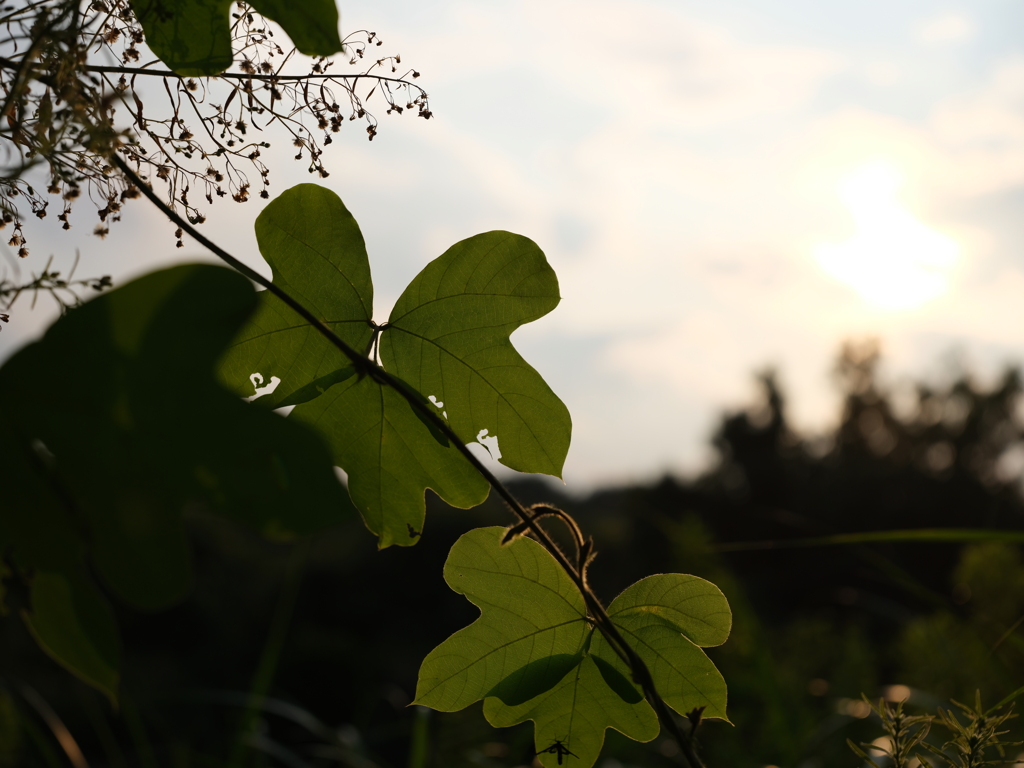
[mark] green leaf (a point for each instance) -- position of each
(530, 611)
(665, 618)
(448, 336)
(34, 516)
(120, 424)
(312, 24)
(73, 623)
(690, 605)
(391, 456)
(534, 655)
(577, 712)
(317, 254)
(193, 37)
(467, 302)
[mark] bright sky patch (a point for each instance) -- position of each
(893, 260)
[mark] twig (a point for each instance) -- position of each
(239, 75)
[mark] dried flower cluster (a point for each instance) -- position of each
(66, 109)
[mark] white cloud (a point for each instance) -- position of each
(644, 62)
(983, 131)
(947, 27)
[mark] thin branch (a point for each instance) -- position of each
(273, 78)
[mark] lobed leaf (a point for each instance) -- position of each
(666, 618)
(530, 612)
(577, 712)
(391, 456)
(316, 253)
(448, 336)
(533, 654)
(690, 605)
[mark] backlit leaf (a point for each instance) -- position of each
(312, 25)
(533, 654)
(391, 456)
(190, 36)
(530, 611)
(316, 252)
(577, 712)
(448, 336)
(666, 618)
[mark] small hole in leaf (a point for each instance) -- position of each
(257, 380)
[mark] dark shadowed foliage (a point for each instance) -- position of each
(814, 627)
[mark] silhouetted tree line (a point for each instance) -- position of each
(946, 461)
(814, 627)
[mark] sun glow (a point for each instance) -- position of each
(892, 260)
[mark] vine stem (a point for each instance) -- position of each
(366, 367)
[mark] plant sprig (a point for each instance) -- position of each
(905, 735)
(974, 736)
(64, 290)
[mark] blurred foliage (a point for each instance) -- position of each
(813, 630)
(98, 473)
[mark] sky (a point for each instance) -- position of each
(721, 188)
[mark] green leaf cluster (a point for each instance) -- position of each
(535, 654)
(447, 338)
(193, 37)
(114, 424)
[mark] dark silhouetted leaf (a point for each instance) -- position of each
(75, 625)
(119, 423)
(193, 37)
